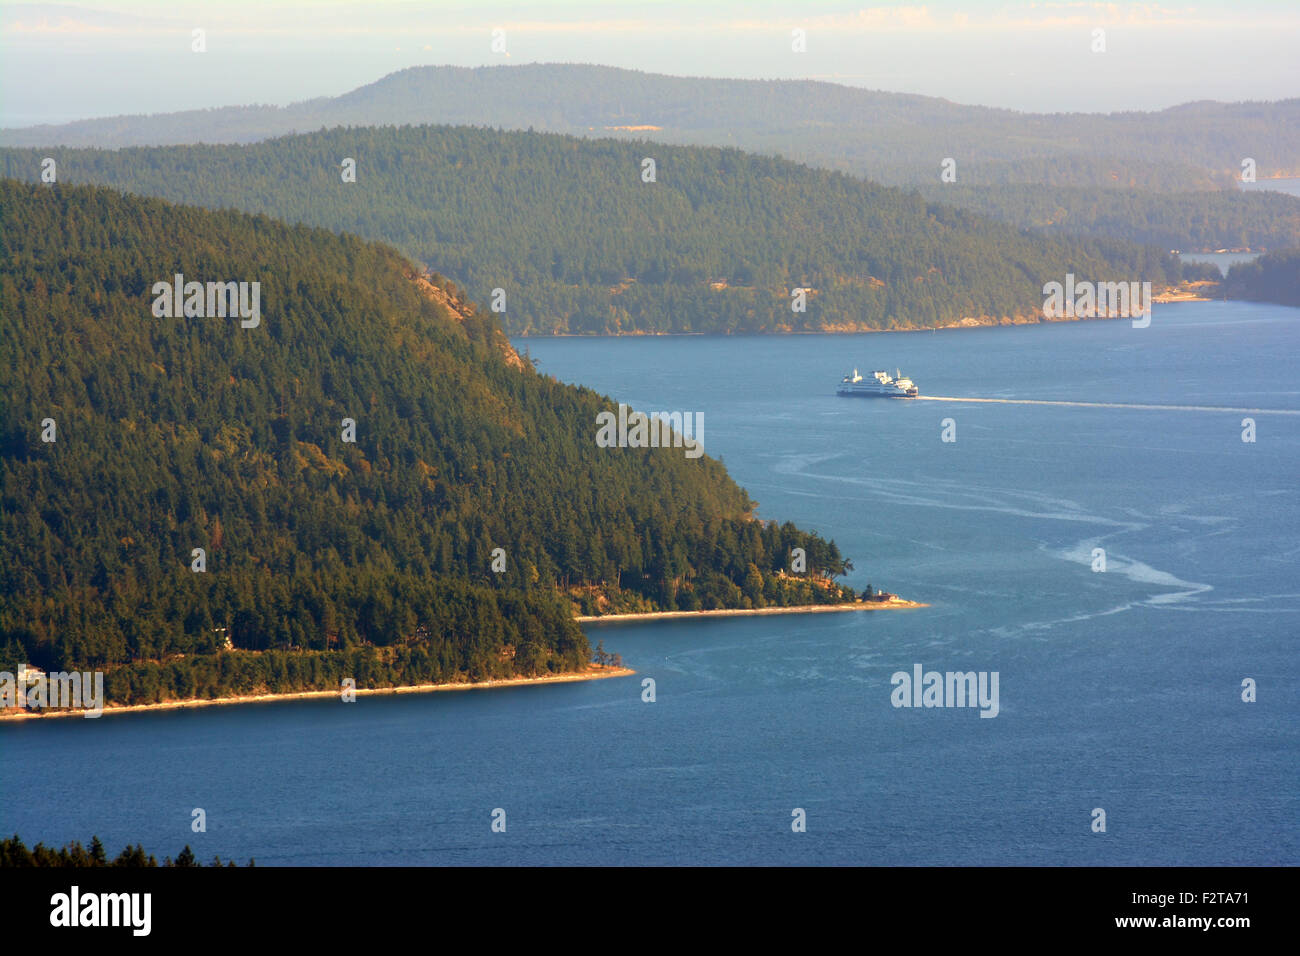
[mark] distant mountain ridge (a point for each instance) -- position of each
(894, 138)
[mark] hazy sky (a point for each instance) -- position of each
(67, 61)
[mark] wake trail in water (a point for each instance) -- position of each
(1172, 408)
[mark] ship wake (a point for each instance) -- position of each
(1173, 408)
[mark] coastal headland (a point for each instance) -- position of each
(892, 604)
(594, 672)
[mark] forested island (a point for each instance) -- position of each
(1167, 178)
(1274, 277)
(568, 236)
(187, 508)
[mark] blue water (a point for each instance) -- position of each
(1224, 260)
(1118, 690)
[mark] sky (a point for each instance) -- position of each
(61, 61)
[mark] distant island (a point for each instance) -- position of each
(861, 190)
(642, 260)
(1273, 277)
(823, 252)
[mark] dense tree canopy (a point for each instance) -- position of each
(172, 434)
(1271, 278)
(1189, 222)
(579, 242)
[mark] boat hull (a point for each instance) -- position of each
(849, 393)
(880, 385)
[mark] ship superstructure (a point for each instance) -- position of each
(880, 385)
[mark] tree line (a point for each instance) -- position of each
(1274, 277)
(1187, 221)
(14, 853)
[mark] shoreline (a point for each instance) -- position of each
(1173, 298)
(895, 604)
(969, 322)
(595, 672)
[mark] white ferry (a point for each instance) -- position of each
(880, 385)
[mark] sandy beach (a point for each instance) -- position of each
(595, 672)
(895, 604)
(1166, 298)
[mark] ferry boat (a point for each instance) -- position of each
(880, 385)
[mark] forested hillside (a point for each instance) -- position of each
(1271, 278)
(578, 242)
(129, 439)
(1189, 222)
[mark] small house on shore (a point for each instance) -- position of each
(27, 674)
